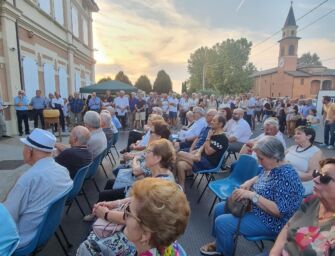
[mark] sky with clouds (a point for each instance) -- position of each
(142, 37)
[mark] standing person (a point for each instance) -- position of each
(258, 109)
(329, 117)
(250, 114)
(58, 103)
(95, 103)
(39, 103)
(109, 98)
(173, 103)
(49, 100)
(165, 106)
(140, 112)
(66, 111)
(21, 106)
(184, 107)
(3, 129)
(76, 109)
(122, 105)
(132, 111)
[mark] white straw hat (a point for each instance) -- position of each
(41, 140)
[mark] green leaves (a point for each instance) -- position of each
(122, 77)
(143, 83)
(309, 59)
(163, 83)
(225, 67)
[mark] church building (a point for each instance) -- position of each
(289, 78)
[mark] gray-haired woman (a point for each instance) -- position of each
(276, 193)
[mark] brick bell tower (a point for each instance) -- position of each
(288, 45)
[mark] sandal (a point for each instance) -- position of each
(209, 249)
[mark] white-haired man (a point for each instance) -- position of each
(33, 192)
(122, 105)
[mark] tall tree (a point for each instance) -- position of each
(122, 78)
(104, 79)
(143, 83)
(308, 59)
(184, 87)
(225, 67)
(163, 83)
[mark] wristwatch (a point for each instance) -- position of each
(255, 198)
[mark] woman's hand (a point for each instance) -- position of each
(100, 211)
(239, 194)
(110, 205)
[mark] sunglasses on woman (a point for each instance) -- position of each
(324, 178)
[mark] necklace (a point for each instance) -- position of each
(303, 149)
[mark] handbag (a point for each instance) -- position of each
(124, 179)
(237, 208)
(103, 228)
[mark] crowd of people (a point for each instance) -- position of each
(173, 139)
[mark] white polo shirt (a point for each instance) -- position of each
(240, 130)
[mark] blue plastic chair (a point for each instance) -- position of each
(9, 237)
(260, 239)
(78, 181)
(181, 250)
(109, 151)
(48, 226)
(105, 152)
(209, 174)
(242, 170)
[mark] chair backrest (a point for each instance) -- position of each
(48, 226)
(92, 170)
(218, 167)
(181, 250)
(115, 138)
(78, 181)
(9, 236)
(244, 169)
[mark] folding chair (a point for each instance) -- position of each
(48, 227)
(77, 185)
(209, 174)
(242, 170)
(181, 250)
(104, 154)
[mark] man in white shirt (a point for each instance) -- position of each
(237, 130)
(184, 106)
(271, 128)
(122, 104)
(173, 103)
(58, 103)
(251, 111)
(33, 192)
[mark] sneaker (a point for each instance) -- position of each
(323, 145)
(209, 249)
(89, 218)
(330, 147)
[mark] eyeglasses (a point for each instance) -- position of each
(127, 214)
(324, 178)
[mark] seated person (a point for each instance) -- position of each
(190, 120)
(9, 237)
(159, 129)
(106, 125)
(150, 228)
(97, 142)
(304, 156)
(33, 192)
(139, 141)
(208, 155)
(311, 229)
(78, 155)
(271, 128)
(187, 137)
(237, 130)
(276, 193)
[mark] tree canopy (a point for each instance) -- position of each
(122, 78)
(143, 83)
(163, 83)
(309, 59)
(224, 68)
(104, 79)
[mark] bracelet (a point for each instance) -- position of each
(106, 216)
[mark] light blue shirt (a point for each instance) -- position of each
(94, 103)
(23, 100)
(9, 237)
(29, 199)
(116, 122)
(145, 139)
(38, 102)
(195, 129)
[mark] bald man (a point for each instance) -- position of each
(78, 155)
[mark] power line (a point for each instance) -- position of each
(275, 33)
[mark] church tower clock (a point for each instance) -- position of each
(288, 45)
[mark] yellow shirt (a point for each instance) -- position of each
(329, 109)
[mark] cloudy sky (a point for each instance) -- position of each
(142, 37)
